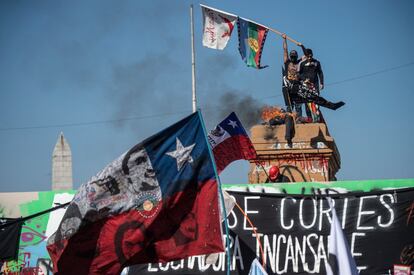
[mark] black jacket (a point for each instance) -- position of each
(311, 70)
(280, 178)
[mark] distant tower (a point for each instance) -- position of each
(62, 165)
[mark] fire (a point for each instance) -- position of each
(269, 112)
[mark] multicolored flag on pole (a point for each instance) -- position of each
(158, 202)
(251, 41)
(230, 142)
(217, 27)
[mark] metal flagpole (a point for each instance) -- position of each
(274, 31)
(226, 223)
(193, 61)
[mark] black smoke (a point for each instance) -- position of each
(247, 108)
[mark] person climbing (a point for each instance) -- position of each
(291, 72)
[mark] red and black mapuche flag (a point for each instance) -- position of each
(10, 230)
(158, 202)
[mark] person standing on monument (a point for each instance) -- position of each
(310, 70)
(311, 74)
(291, 73)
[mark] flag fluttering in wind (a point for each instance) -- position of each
(340, 259)
(10, 230)
(251, 41)
(158, 202)
(230, 142)
(217, 27)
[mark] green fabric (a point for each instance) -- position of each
(253, 34)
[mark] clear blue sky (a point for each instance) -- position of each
(81, 62)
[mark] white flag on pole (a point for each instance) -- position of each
(340, 259)
(217, 27)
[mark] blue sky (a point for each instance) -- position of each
(111, 73)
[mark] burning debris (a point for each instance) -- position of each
(273, 116)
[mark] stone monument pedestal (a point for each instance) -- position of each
(312, 156)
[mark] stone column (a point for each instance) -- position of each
(62, 165)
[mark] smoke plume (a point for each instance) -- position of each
(246, 107)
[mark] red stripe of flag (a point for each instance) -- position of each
(234, 148)
(132, 237)
(261, 35)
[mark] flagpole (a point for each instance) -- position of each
(23, 219)
(193, 61)
(287, 37)
(274, 30)
(226, 224)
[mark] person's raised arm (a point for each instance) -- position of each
(320, 74)
(285, 49)
(302, 47)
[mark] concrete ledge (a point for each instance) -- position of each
(312, 149)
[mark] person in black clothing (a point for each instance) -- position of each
(311, 75)
(290, 129)
(310, 70)
(306, 92)
(291, 73)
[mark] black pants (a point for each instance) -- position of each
(292, 101)
(290, 129)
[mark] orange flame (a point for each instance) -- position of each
(269, 112)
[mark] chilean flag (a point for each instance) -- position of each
(230, 142)
(158, 202)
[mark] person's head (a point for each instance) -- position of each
(293, 55)
(273, 173)
(308, 54)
